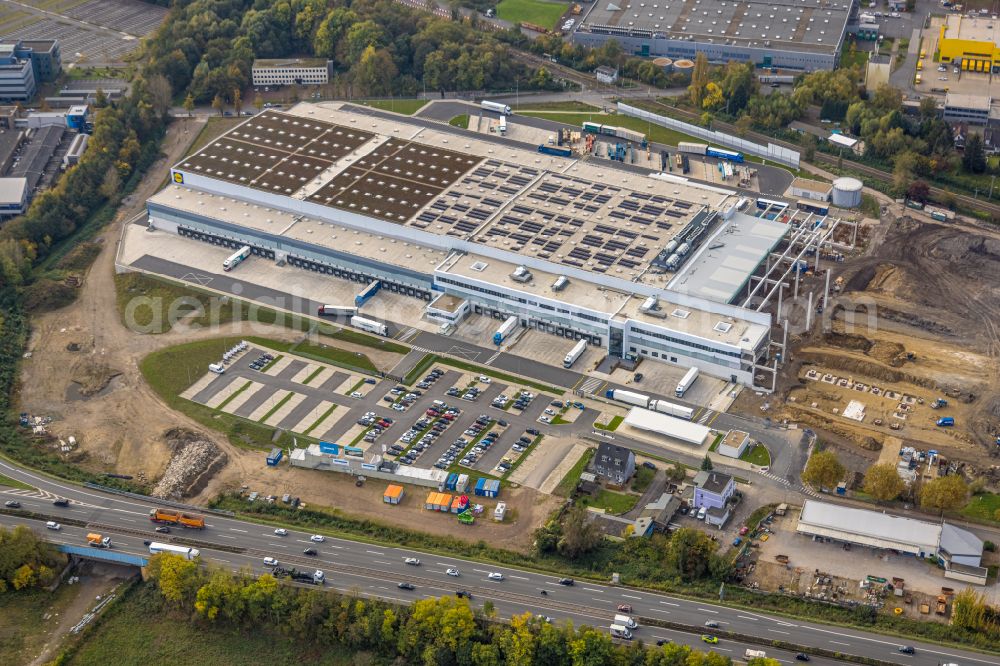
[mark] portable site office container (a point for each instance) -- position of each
(480, 484)
(462, 484)
(393, 494)
(452, 481)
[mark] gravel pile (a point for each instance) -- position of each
(193, 456)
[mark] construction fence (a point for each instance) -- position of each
(771, 151)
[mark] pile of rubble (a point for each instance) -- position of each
(194, 460)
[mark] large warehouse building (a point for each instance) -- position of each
(971, 43)
(805, 35)
(959, 551)
(574, 248)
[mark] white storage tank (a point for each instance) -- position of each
(847, 192)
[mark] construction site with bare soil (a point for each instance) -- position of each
(906, 353)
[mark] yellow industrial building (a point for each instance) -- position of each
(972, 43)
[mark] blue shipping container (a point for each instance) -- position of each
(555, 150)
(274, 457)
(452, 481)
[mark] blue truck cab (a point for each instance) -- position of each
(946, 421)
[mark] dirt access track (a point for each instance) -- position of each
(925, 298)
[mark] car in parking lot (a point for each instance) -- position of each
(532, 431)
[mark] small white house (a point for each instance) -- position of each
(734, 444)
(606, 75)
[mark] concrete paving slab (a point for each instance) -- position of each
(200, 384)
(331, 382)
(292, 369)
(254, 401)
(285, 410)
(307, 421)
(233, 405)
(562, 469)
(264, 407)
(302, 375)
(275, 368)
(221, 395)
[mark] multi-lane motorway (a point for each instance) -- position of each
(376, 570)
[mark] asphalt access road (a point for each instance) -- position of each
(774, 181)
(374, 570)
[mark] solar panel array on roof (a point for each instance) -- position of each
(395, 180)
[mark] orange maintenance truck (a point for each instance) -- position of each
(98, 541)
(169, 517)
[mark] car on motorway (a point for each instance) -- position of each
(270, 562)
(463, 594)
(624, 608)
(12, 504)
(61, 501)
(662, 641)
(712, 624)
(708, 638)
(802, 656)
(310, 551)
(317, 538)
(162, 529)
(406, 586)
(281, 531)
(453, 572)
(544, 618)
(53, 525)
(566, 581)
(495, 575)
(906, 649)
(412, 561)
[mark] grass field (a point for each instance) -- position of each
(318, 352)
(460, 121)
(611, 501)
(568, 483)
(23, 629)
(538, 12)
(610, 425)
(757, 455)
(14, 483)
(568, 105)
(213, 129)
(983, 506)
(407, 107)
(140, 631)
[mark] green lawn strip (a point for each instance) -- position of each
(334, 522)
(406, 107)
(611, 501)
(319, 352)
(472, 367)
(460, 121)
(235, 393)
(312, 376)
(715, 443)
(643, 477)
(758, 455)
(610, 425)
(279, 405)
(320, 420)
(14, 483)
(172, 370)
(568, 483)
(359, 338)
(538, 12)
(354, 388)
(569, 105)
(524, 455)
(422, 366)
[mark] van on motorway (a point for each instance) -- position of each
(626, 621)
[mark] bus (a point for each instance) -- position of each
(813, 207)
(336, 311)
(369, 325)
(184, 551)
(367, 293)
(236, 258)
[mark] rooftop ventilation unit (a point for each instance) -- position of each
(479, 266)
(561, 283)
(521, 274)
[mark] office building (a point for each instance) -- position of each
(291, 71)
(968, 109)
(17, 77)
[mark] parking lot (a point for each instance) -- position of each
(89, 31)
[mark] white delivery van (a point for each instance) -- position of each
(216, 368)
(618, 631)
(626, 621)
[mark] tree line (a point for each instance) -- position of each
(377, 47)
(444, 631)
(26, 561)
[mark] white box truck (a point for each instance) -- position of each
(626, 621)
(575, 353)
(755, 654)
(686, 382)
(496, 107)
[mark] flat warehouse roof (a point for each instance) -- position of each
(974, 102)
(808, 25)
(722, 265)
(815, 185)
(686, 431)
(981, 29)
(288, 63)
(870, 524)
